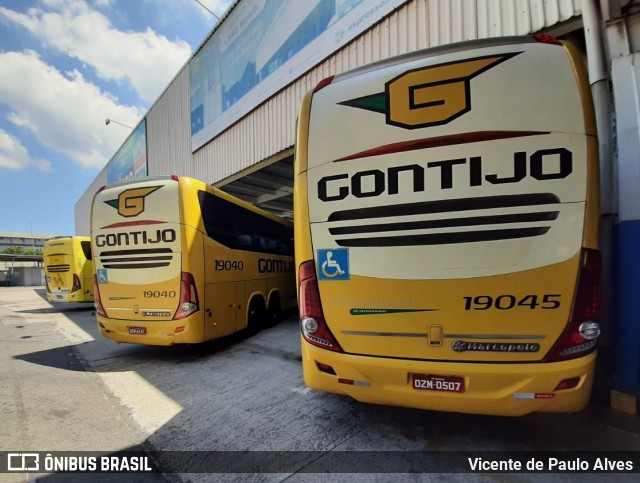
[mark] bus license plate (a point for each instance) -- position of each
(430, 382)
(137, 330)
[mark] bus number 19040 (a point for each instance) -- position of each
(221, 265)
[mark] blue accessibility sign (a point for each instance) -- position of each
(102, 275)
(333, 264)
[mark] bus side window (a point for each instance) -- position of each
(86, 249)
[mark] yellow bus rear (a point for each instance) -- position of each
(446, 209)
(68, 269)
(178, 261)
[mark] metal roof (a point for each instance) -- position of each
(269, 188)
(19, 257)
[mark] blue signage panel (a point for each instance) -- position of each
(131, 159)
(333, 264)
(262, 46)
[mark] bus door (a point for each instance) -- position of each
(221, 311)
(223, 290)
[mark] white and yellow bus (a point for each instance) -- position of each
(68, 269)
(178, 261)
(446, 227)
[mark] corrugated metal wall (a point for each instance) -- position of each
(269, 129)
(169, 131)
(419, 24)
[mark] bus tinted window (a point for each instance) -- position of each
(241, 229)
(86, 249)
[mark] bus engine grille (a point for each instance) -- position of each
(137, 258)
(61, 268)
(388, 225)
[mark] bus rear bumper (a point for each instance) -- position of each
(65, 297)
(161, 332)
(492, 389)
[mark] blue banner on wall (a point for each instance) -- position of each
(131, 159)
(265, 45)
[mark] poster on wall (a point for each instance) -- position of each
(263, 46)
(131, 159)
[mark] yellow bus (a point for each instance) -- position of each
(446, 230)
(68, 269)
(178, 261)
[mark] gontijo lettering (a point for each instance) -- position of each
(545, 164)
(136, 237)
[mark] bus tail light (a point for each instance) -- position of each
(579, 337)
(76, 283)
(97, 303)
(312, 324)
(46, 283)
(188, 297)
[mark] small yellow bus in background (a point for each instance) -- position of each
(446, 228)
(178, 261)
(68, 269)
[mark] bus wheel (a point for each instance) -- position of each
(256, 315)
(274, 310)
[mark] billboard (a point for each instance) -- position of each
(264, 45)
(131, 159)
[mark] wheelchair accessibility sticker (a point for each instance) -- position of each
(333, 264)
(102, 275)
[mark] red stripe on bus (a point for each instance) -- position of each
(133, 223)
(440, 141)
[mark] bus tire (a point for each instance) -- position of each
(256, 315)
(275, 312)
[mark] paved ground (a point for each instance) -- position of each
(63, 387)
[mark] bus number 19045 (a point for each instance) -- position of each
(506, 302)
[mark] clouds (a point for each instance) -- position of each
(144, 60)
(64, 109)
(65, 112)
(13, 155)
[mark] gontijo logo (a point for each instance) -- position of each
(131, 202)
(429, 96)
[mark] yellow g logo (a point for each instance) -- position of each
(429, 96)
(131, 202)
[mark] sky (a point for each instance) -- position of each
(65, 67)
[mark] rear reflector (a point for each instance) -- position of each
(567, 384)
(326, 368)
